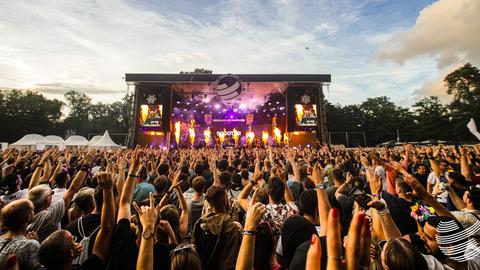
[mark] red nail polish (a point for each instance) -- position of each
(366, 221)
(361, 216)
(11, 261)
(313, 239)
(334, 212)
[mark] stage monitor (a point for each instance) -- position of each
(302, 108)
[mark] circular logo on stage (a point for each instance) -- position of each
(228, 88)
(151, 99)
(306, 99)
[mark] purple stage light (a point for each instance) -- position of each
(217, 106)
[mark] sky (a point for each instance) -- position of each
(401, 49)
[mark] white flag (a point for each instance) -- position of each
(473, 128)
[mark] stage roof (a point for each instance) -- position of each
(205, 78)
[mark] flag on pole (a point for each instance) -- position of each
(473, 128)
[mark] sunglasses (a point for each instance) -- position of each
(180, 249)
(381, 244)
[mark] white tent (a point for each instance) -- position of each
(30, 140)
(54, 140)
(76, 140)
(105, 142)
(94, 140)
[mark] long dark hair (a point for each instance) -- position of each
(401, 255)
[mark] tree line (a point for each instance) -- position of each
(24, 112)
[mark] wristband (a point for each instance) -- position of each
(133, 175)
(376, 195)
(247, 232)
(319, 186)
(383, 212)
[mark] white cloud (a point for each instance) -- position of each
(448, 31)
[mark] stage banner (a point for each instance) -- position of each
(249, 119)
(208, 119)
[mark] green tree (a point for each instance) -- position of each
(464, 85)
(24, 112)
(197, 71)
(79, 105)
(431, 119)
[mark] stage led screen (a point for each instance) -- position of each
(306, 115)
(151, 116)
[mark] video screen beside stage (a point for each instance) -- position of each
(151, 116)
(306, 115)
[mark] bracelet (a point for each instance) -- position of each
(247, 232)
(319, 186)
(133, 175)
(376, 195)
(383, 212)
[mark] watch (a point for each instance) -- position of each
(147, 234)
(319, 185)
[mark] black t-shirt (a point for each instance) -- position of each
(92, 263)
(90, 223)
(124, 251)
(400, 213)
(422, 178)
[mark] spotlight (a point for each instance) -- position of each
(278, 102)
(235, 110)
(217, 106)
(242, 106)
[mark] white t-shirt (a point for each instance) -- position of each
(380, 171)
(433, 179)
(21, 194)
(58, 194)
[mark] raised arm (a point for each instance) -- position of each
(37, 174)
(183, 227)
(107, 220)
(246, 253)
(282, 174)
(78, 179)
(127, 193)
(323, 204)
(296, 170)
(121, 174)
(243, 196)
(148, 218)
(464, 166)
(457, 201)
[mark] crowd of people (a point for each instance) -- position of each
(323, 207)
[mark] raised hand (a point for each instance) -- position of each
(357, 247)
(318, 177)
(147, 214)
(254, 215)
(105, 180)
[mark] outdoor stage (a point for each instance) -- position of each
(185, 110)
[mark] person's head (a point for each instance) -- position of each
(244, 164)
(455, 178)
(16, 215)
(430, 234)
(41, 197)
(308, 203)
(471, 198)
(421, 169)
(161, 184)
(276, 189)
(338, 176)
(222, 165)
(226, 179)
(183, 257)
(62, 178)
(399, 254)
(84, 199)
(198, 184)
(401, 187)
(261, 195)
(217, 198)
(244, 173)
(443, 165)
(199, 169)
(57, 251)
(170, 213)
(9, 184)
(163, 169)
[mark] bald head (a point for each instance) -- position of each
(40, 196)
(16, 215)
(56, 251)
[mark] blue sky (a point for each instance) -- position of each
(400, 49)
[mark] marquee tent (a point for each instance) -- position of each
(29, 140)
(94, 140)
(76, 140)
(54, 140)
(105, 142)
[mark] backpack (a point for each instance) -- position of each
(85, 242)
(207, 244)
